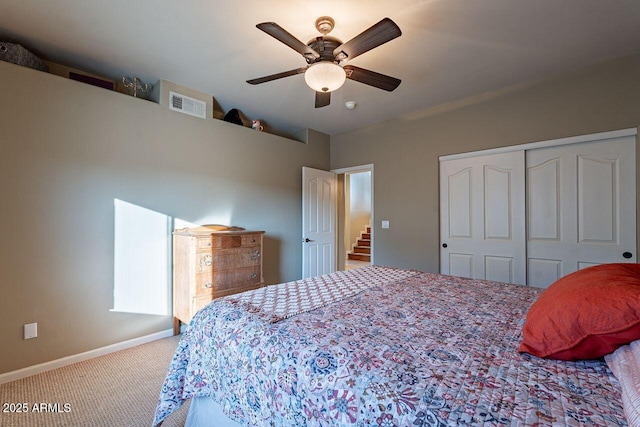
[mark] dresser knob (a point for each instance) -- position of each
(254, 275)
(208, 285)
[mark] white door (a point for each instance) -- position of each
(482, 217)
(581, 202)
(319, 217)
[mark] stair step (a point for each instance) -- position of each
(363, 242)
(362, 250)
(360, 257)
(366, 236)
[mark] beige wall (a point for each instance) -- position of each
(68, 150)
(405, 151)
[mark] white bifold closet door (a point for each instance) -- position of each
(576, 207)
(482, 212)
(581, 207)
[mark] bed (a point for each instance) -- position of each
(380, 346)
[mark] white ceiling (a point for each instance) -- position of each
(449, 50)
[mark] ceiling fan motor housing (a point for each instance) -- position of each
(325, 46)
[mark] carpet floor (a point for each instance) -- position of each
(118, 389)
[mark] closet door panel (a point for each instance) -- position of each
(585, 194)
(497, 203)
(482, 217)
(460, 204)
(461, 264)
(597, 200)
(544, 201)
(542, 272)
(498, 269)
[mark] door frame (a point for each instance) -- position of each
(340, 262)
(546, 143)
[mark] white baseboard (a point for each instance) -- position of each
(59, 363)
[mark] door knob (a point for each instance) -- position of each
(307, 240)
(627, 255)
(444, 245)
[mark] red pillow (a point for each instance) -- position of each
(585, 314)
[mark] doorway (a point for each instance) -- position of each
(355, 217)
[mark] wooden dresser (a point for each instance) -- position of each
(210, 262)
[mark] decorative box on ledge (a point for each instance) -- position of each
(81, 76)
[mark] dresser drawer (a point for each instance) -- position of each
(204, 244)
(235, 241)
(225, 279)
(237, 289)
(208, 284)
(233, 258)
(251, 240)
(227, 241)
(205, 284)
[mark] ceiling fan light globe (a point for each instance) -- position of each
(325, 76)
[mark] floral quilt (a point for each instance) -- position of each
(420, 350)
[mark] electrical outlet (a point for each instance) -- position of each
(385, 224)
(30, 331)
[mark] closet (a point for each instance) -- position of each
(532, 213)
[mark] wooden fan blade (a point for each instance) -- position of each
(277, 76)
(375, 36)
(371, 78)
(323, 99)
(279, 33)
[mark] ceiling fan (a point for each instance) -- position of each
(324, 54)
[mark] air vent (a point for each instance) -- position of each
(187, 105)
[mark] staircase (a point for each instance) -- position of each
(361, 251)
